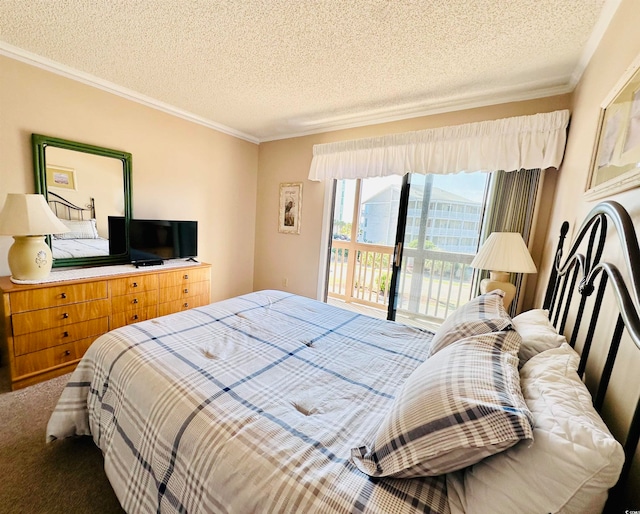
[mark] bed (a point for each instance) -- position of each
(271, 402)
(83, 239)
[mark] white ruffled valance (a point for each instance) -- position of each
(509, 144)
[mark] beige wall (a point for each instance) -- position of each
(181, 170)
(616, 52)
(296, 258)
(618, 49)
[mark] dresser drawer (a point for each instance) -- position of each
(120, 319)
(46, 328)
(45, 359)
(169, 294)
(183, 277)
(182, 305)
(45, 297)
(34, 341)
(33, 321)
(133, 301)
(128, 285)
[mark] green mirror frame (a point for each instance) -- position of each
(39, 145)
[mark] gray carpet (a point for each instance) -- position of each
(61, 477)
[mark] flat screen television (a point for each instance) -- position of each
(151, 241)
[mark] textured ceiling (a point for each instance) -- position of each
(268, 69)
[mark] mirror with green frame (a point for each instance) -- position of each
(89, 189)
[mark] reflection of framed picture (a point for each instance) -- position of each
(57, 176)
(290, 207)
(615, 164)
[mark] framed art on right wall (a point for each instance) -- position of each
(615, 164)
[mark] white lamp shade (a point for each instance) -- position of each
(28, 215)
(506, 252)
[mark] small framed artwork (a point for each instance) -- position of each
(58, 176)
(290, 207)
(615, 164)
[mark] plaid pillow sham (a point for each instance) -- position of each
(482, 315)
(458, 407)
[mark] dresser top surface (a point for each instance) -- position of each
(61, 277)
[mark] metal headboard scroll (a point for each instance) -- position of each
(588, 267)
(58, 203)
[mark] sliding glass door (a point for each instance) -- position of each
(365, 219)
(438, 235)
(413, 236)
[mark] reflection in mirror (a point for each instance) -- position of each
(83, 190)
(84, 185)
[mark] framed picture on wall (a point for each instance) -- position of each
(615, 164)
(58, 176)
(290, 207)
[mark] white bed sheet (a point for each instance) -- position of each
(71, 248)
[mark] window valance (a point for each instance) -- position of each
(509, 144)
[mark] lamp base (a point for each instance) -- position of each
(499, 280)
(30, 258)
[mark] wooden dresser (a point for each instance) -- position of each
(46, 328)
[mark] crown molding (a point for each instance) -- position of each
(38, 61)
(460, 104)
(608, 10)
(340, 122)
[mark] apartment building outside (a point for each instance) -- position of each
(452, 222)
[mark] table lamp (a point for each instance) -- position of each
(28, 218)
(503, 253)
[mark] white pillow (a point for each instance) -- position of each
(79, 229)
(537, 332)
(572, 463)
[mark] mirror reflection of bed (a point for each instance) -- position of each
(90, 190)
(83, 238)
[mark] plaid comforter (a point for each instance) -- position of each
(247, 405)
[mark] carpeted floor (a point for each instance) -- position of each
(61, 477)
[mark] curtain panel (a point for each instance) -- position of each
(509, 144)
(510, 209)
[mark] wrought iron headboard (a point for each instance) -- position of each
(59, 204)
(591, 275)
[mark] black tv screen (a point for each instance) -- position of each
(162, 239)
(117, 235)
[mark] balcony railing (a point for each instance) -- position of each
(431, 283)
(360, 272)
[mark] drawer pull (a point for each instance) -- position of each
(186, 305)
(135, 316)
(186, 277)
(135, 284)
(63, 295)
(135, 300)
(67, 352)
(65, 334)
(65, 315)
(186, 290)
